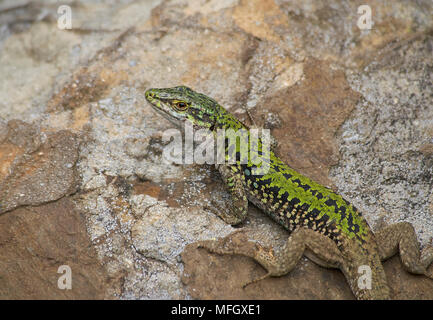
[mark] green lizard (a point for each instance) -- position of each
(323, 225)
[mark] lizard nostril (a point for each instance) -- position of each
(149, 94)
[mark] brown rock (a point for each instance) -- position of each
(260, 18)
(212, 276)
(36, 167)
(310, 113)
(35, 242)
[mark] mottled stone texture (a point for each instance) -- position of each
(82, 180)
(36, 167)
(35, 242)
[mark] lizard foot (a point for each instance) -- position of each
(231, 244)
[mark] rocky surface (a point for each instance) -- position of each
(36, 166)
(36, 241)
(82, 180)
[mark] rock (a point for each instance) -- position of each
(212, 276)
(350, 108)
(36, 241)
(36, 167)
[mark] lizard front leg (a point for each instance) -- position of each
(238, 204)
(401, 237)
(279, 263)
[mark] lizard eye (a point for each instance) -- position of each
(180, 106)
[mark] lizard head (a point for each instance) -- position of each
(179, 104)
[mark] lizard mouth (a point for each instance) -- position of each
(156, 101)
(161, 107)
(150, 96)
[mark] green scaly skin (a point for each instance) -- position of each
(291, 199)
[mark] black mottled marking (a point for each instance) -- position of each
(274, 191)
(331, 202)
(342, 212)
(306, 187)
(315, 213)
(287, 175)
(350, 220)
(334, 234)
(284, 197)
(323, 219)
(294, 202)
(264, 182)
(303, 186)
(305, 207)
(297, 181)
(276, 168)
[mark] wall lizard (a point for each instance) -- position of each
(322, 224)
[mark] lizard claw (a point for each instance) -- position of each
(267, 275)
